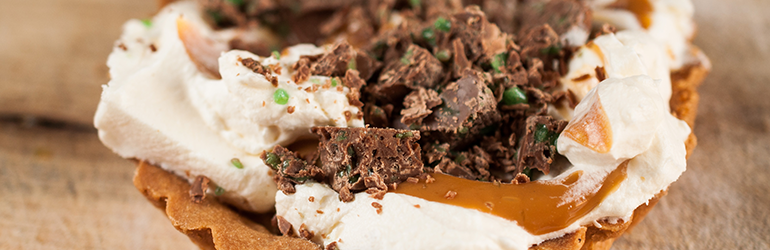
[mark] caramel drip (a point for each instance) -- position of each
(595, 48)
(539, 206)
(202, 51)
(642, 9)
(592, 130)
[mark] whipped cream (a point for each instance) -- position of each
(626, 53)
(671, 24)
(642, 131)
(160, 108)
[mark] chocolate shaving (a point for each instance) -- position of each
(284, 226)
(601, 73)
(198, 188)
(304, 232)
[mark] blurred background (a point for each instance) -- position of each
(61, 189)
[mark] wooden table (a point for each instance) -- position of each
(61, 189)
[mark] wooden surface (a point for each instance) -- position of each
(61, 189)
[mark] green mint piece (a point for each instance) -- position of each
(343, 136)
(527, 172)
(551, 50)
(237, 163)
(285, 164)
(459, 159)
(442, 55)
(541, 133)
(272, 161)
(219, 191)
(429, 35)
(235, 2)
(514, 95)
(276, 54)
(405, 59)
(316, 81)
(352, 64)
(147, 22)
(281, 96)
(354, 179)
(415, 3)
(406, 134)
(442, 24)
(498, 61)
(335, 82)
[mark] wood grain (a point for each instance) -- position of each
(61, 189)
(54, 54)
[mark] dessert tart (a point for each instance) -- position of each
(415, 125)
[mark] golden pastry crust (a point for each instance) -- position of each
(209, 224)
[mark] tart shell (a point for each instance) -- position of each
(213, 225)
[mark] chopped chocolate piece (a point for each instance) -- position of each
(561, 15)
(538, 147)
(258, 68)
(355, 159)
(301, 70)
(284, 226)
(468, 106)
(418, 105)
(377, 116)
(366, 65)
(305, 233)
(289, 168)
(353, 79)
(461, 63)
(500, 12)
(260, 48)
(334, 63)
(223, 14)
(435, 152)
(416, 68)
(601, 73)
(198, 188)
(332, 246)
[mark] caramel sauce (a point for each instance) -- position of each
(538, 206)
(642, 9)
(595, 48)
(202, 51)
(592, 130)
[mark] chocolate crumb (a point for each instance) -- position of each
(417, 205)
(377, 206)
(450, 195)
(305, 233)
(153, 48)
(311, 199)
(601, 73)
(122, 46)
(412, 180)
(198, 188)
(332, 246)
(290, 109)
(319, 211)
(284, 226)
